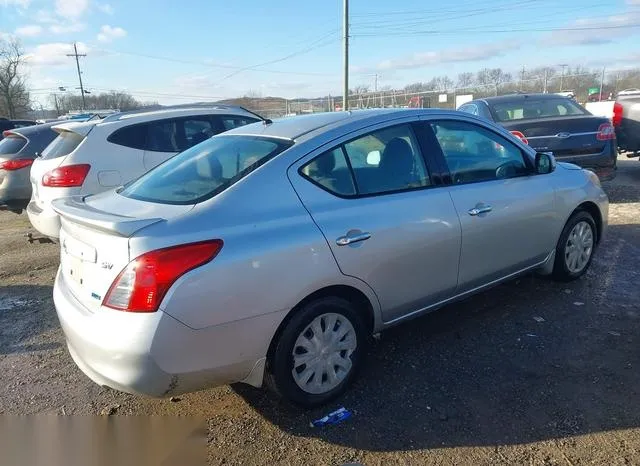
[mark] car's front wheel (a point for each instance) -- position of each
(574, 251)
(318, 353)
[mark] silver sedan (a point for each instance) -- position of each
(272, 253)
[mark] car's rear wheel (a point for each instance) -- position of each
(319, 352)
(574, 251)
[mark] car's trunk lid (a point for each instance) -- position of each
(563, 136)
(94, 239)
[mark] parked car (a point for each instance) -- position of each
(18, 149)
(6, 124)
(278, 248)
(98, 155)
(555, 124)
(626, 121)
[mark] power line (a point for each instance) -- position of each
(492, 31)
(239, 68)
(310, 48)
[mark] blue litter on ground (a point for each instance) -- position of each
(335, 417)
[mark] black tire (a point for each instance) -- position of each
(560, 270)
(279, 370)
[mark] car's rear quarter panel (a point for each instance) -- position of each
(273, 255)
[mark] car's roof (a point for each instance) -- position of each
(520, 97)
(28, 130)
(294, 127)
(177, 110)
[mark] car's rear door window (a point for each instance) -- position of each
(196, 130)
(64, 144)
(473, 153)
(12, 145)
(387, 160)
(204, 170)
(163, 136)
(230, 122)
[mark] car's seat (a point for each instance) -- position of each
(396, 169)
(529, 112)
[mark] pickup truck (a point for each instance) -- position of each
(626, 121)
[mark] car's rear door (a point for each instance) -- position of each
(506, 212)
(385, 220)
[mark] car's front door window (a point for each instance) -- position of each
(473, 153)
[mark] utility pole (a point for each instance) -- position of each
(77, 55)
(522, 79)
(345, 27)
(601, 83)
(562, 76)
(544, 87)
(375, 83)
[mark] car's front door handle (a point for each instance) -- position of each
(480, 209)
(352, 238)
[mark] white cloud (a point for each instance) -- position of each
(31, 30)
(109, 33)
(105, 8)
(452, 55)
(52, 54)
(18, 3)
(585, 30)
(633, 2)
(67, 28)
(71, 9)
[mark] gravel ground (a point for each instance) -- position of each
(530, 372)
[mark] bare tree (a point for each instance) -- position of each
(14, 96)
(465, 80)
(114, 100)
(360, 89)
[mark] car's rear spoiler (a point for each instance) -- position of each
(80, 128)
(75, 209)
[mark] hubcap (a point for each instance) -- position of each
(579, 247)
(322, 353)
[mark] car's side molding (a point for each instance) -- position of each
(470, 292)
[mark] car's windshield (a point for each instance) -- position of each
(204, 170)
(536, 108)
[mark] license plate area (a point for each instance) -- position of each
(74, 268)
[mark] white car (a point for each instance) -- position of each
(94, 156)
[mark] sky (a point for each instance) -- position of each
(193, 50)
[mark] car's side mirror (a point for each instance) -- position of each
(545, 163)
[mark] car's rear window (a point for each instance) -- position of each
(12, 145)
(204, 170)
(536, 108)
(64, 144)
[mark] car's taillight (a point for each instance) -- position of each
(142, 284)
(606, 132)
(617, 114)
(68, 176)
(520, 136)
(16, 164)
(7, 133)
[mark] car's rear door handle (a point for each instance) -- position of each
(480, 209)
(353, 238)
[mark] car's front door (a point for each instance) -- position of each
(506, 211)
(386, 224)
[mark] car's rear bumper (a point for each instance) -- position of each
(15, 190)
(149, 353)
(44, 219)
(603, 164)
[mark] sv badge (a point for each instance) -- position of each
(106, 265)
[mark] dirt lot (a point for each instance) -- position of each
(479, 382)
